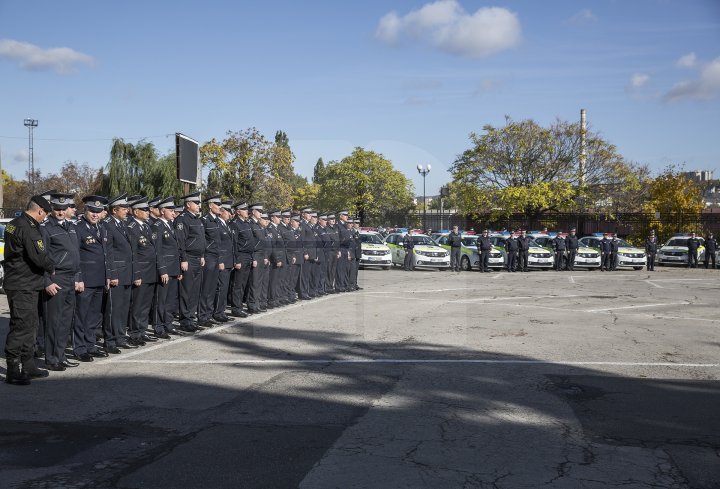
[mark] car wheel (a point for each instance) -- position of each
(386, 268)
(637, 268)
(465, 264)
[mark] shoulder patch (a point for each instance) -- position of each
(10, 228)
(179, 226)
(40, 245)
(131, 224)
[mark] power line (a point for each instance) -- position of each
(89, 140)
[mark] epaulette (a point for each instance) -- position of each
(132, 224)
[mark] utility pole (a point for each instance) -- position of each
(31, 124)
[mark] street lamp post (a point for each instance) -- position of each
(31, 124)
(424, 171)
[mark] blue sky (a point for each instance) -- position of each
(409, 79)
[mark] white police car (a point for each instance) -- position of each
(585, 257)
(426, 254)
(538, 257)
(375, 253)
(675, 251)
(469, 255)
(628, 255)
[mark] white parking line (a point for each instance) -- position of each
(497, 276)
(652, 282)
(479, 299)
(684, 303)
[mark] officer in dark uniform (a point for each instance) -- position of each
(651, 251)
(409, 245)
(213, 264)
(558, 244)
(511, 251)
(259, 263)
(605, 253)
(693, 244)
(243, 249)
(168, 269)
(145, 271)
(455, 242)
(267, 263)
(298, 253)
(190, 234)
(710, 249)
(571, 244)
(357, 248)
(332, 255)
(324, 250)
(614, 250)
(62, 247)
(154, 210)
(309, 249)
(342, 278)
(523, 250)
(288, 237)
(278, 260)
(484, 246)
(117, 307)
(26, 263)
(226, 258)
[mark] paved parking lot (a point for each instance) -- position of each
(422, 379)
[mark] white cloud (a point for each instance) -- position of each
(448, 27)
(21, 156)
(687, 61)
(637, 80)
(585, 15)
(35, 58)
(705, 87)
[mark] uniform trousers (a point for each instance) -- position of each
(523, 256)
(190, 291)
(167, 304)
(571, 259)
(331, 258)
(342, 270)
(59, 311)
(560, 260)
(142, 296)
(354, 269)
(651, 262)
(221, 296)
(24, 306)
(315, 275)
(484, 260)
(208, 289)
(511, 261)
(306, 278)
(605, 261)
(275, 274)
(254, 295)
(692, 259)
(455, 253)
(240, 282)
(709, 257)
(88, 316)
(117, 311)
(264, 283)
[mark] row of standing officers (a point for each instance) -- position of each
(129, 264)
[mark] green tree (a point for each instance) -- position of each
(138, 169)
(318, 171)
(673, 194)
(367, 184)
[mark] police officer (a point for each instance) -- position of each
(345, 241)
(168, 269)
(409, 245)
(117, 307)
(511, 250)
(484, 246)
(95, 260)
(190, 234)
(154, 210)
(61, 286)
(145, 271)
(288, 237)
(324, 251)
(571, 244)
(298, 253)
(259, 263)
(266, 265)
(26, 262)
(693, 244)
(455, 242)
(614, 250)
(558, 244)
(523, 250)
(358, 255)
(278, 260)
(213, 264)
(243, 249)
(226, 258)
(710, 249)
(651, 251)
(605, 253)
(309, 250)
(319, 256)
(332, 256)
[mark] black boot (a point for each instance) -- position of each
(15, 375)
(31, 370)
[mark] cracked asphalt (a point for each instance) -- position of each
(421, 380)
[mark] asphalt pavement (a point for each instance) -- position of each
(423, 379)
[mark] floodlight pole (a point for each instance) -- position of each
(31, 124)
(424, 171)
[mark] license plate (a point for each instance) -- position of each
(436, 259)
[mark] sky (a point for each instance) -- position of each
(406, 78)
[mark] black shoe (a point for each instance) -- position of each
(263, 309)
(163, 335)
(205, 323)
(221, 319)
(135, 342)
(55, 367)
(85, 357)
(148, 339)
(98, 354)
(39, 353)
(305, 298)
(32, 371)
(15, 375)
(174, 332)
(69, 363)
(187, 328)
(127, 346)
(113, 349)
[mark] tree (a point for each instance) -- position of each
(138, 169)
(523, 167)
(318, 171)
(367, 184)
(673, 194)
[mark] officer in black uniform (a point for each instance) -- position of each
(26, 263)
(243, 249)
(145, 271)
(61, 287)
(308, 241)
(117, 307)
(190, 234)
(651, 251)
(693, 244)
(288, 237)
(558, 244)
(278, 260)
(523, 250)
(154, 216)
(572, 245)
(409, 245)
(614, 256)
(455, 242)
(358, 254)
(511, 251)
(484, 246)
(267, 263)
(226, 258)
(213, 264)
(345, 241)
(298, 253)
(710, 249)
(332, 255)
(324, 249)
(605, 253)
(168, 269)
(259, 263)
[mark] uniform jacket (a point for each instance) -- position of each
(614, 246)
(571, 242)
(334, 238)
(605, 245)
(558, 244)
(288, 237)
(269, 242)
(212, 235)
(62, 247)
(243, 239)
(258, 240)
(95, 256)
(122, 255)
(298, 249)
(455, 240)
(279, 248)
(651, 245)
(168, 250)
(524, 243)
(190, 234)
(358, 244)
(511, 246)
(408, 242)
(142, 242)
(308, 239)
(710, 245)
(693, 244)
(484, 243)
(26, 261)
(226, 245)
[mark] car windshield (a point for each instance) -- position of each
(535, 243)
(371, 238)
(423, 240)
(469, 241)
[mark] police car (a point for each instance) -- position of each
(538, 257)
(675, 251)
(375, 252)
(628, 255)
(427, 253)
(585, 257)
(469, 256)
